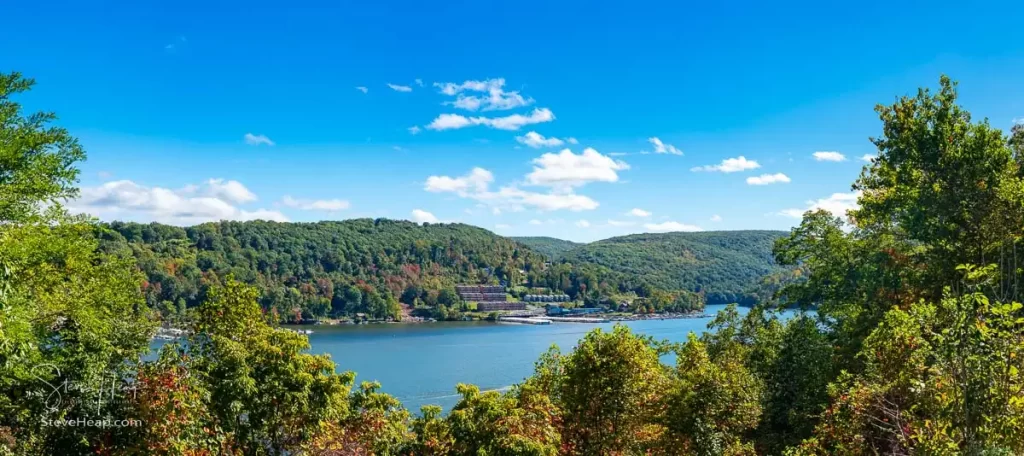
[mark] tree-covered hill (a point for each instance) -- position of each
(721, 264)
(553, 248)
(334, 267)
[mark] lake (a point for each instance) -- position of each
(421, 363)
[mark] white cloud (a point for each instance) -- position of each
(767, 179)
(362, 89)
(418, 82)
(620, 223)
(399, 88)
(517, 121)
(829, 156)
(211, 201)
(546, 222)
(467, 103)
(476, 181)
(232, 191)
(536, 140)
(422, 216)
(637, 212)
(451, 88)
(476, 186)
(512, 122)
(566, 169)
(670, 226)
(572, 140)
(716, 218)
(493, 102)
(730, 165)
(496, 210)
(256, 140)
(517, 198)
(868, 158)
(583, 224)
(331, 205)
(496, 97)
(415, 130)
(1018, 121)
(838, 204)
(449, 122)
(662, 148)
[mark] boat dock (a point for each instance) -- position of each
(578, 319)
(549, 320)
(526, 321)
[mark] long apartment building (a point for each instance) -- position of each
(488, 298)
(546, 298)
(481, 293)
(496, 306)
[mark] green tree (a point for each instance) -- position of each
(447, 297)
(712, 404)
(940, 379)
(925, 369)
(949, 187)
(518, 423)
(263, 388)
(610, 394)
(37, 161)
(72, 317)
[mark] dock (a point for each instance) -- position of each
(578, 319)
(526, 321)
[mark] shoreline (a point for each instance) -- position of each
(610, 317)
(169, 334)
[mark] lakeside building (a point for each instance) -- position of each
(546, 298)
(481, 293)
(494, 306)
(488, 298)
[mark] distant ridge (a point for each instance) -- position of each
(722, 264)
(553, 248)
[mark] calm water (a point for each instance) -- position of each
(421, 363)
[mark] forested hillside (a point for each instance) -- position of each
(310, 270)
(352, 266)
(721, 264)
(553, 248)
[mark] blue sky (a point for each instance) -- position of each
(163, 97)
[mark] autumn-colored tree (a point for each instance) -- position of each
(519, 422)
(610, 394)
(940, 379)
(171, 406)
